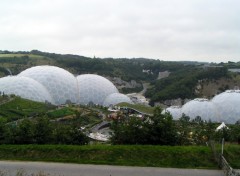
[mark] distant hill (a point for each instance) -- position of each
(186, 80)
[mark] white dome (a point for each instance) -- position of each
(25, 87)
(61, 84)
(201, 107)
(228, 104)
(116, 98)
(175, 111)
(94, 88)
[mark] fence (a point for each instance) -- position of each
(222, 162)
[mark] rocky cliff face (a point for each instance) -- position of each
(210, 88)
(206, 89)
(119, 83)
(173, 102)
(164, 74)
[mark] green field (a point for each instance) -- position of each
(18, 108)
(136, 155)
(60, 113)
(141, 108)
(232, 154)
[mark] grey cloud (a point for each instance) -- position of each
(170, 30)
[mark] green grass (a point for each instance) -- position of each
(61, 113)
(136, 155)
(232, 155)
(141, 108)
(19, 108)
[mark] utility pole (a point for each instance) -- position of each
(222, 145)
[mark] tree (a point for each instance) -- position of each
(66, 134)
(10, 133)
(24, 132)
(43, 131)
(161, 129)
(156, 130)
(2, 130)
(128, 130)
(184, 130)
(199, 135)
(235, 133)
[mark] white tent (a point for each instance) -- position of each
(221, 126)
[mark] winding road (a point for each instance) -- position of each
(60, 169)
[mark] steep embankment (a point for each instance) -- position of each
(136, 155)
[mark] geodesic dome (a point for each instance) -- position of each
(94, 88)
(175, 111)
(228, 104)
(203, 108)
(25, 87)
(61, 84)
(116, 98)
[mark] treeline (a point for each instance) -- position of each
(15, 60)
(40, 131)
(160, 129)
(126, 69)
(182, 83)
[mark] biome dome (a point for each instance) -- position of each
(58, 86)
(203, 108)
(228, 104)
(25, 87)
(94, 88)
(116, 98)
(61, 84)
(175, 111)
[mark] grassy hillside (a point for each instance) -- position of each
(75, 115)
(182, 84)
(232, 153)
(141, 108)
(156, 156)
(17, 108)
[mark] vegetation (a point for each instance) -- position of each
(153, 131)
(138, 107)
(232, 153)
(160, 129)
(15, 108)
(156, 130)
(40, 131)
(61, 113)
(139, 155)
(182, 83)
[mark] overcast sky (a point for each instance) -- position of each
(203, 30)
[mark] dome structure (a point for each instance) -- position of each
(116, 98)
(61, 84)
(25, 87)
(175, 111)
(94, 88)
(203, 108)
(228, 104)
